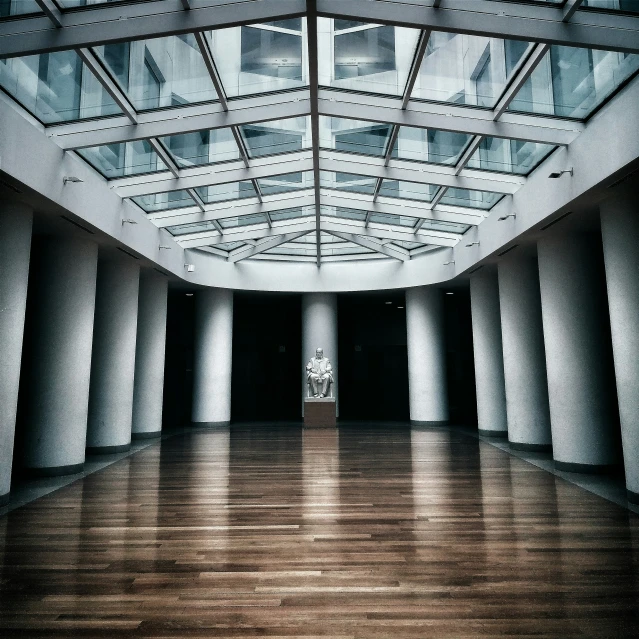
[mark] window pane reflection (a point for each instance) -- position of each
(18, 7)
(347, 182)
(408, 190)
(509, 156)
(242, 220)
(223, 192)
(202, 147)
(572, 82)
(354, 136)
(280, 136)
(474, 199)
(164, 201)
(629, 6)
(286, 182)
(118, 160)
(55, 87)
(430, 145)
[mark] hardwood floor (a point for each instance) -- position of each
(279, 532)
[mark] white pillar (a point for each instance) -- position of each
(63, 290)
(212, 357)
(487, 347)
(524, 356)
(620, 232)
(426, 356)
(319, 329)
(577, 360)
(15, 246)
(113, 360)
(149, 356)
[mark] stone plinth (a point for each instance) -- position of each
(320, 412)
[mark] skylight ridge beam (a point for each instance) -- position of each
(389, 251)
(52, 11)
(416, 65)
(244, 252)
(93, 63)
(313, 78)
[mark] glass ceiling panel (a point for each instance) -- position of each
(229, 246)
(433, 225)
(365, 57)
(509, 156)
(125, 158)
(55, 87)
(347, 182)
(261, 57)
(344, 213)
(18, 7)
(408, 245)
(472, 199)
(228, 191)
(294, 213)
(279, 136)
(195, 227)
(161, 72)
(242, 220)
(430, 145)
(286, 182)
(202, 147)
(467, 69)
(354, 135)
(571, 82)
(164, 201)
(408, 190)
(629, 6)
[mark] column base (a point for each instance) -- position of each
(417, 422)
(4, 499)
(107, 450)
(632, 497)
(54, 471)
(153, 435)
(211, 424)
(531, 448)
(590, 469)
(493, 433)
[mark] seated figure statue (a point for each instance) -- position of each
(319, 374)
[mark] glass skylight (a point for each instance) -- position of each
(430, 145)
(509, 156)
(228, 191)
(286, 182)
(164, 201)
(280, 136)
(408, 190)
(354, 136)
(126, 158)
(202, 147)
(18, 7)
(628, 6)
(472, 199)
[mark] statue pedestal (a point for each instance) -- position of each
(320, 412)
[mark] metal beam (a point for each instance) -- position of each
(186, 4)
(110, 86)
(205, 51)
(422, 174)
(569, 9)
(212, 175)
(395, 252)
(517, 21)
(165, 156)
(181, 119)
(118, 22)
(244, 252)
(448, 117)
(313, 79)
(467, 154)
(52, 12)
(420, 50)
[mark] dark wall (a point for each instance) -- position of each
(460, 365)
(266, 381)
(178, 365)
(373, 360)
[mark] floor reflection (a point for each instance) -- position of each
(366, 531)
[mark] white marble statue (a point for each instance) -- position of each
(319, 374)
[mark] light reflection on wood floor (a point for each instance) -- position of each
(366, 532)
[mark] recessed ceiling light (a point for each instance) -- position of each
(189, 294)
(400, 307)
(389, 302)
(449, 293)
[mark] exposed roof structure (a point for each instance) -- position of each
(320, 130)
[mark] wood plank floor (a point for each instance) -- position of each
(279, 532)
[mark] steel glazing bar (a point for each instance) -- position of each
(517, 21)
(420, 50)
(569, 9)
(165, 156)
(52, 11)
(448, 117)
(313, 74)
(243, 252)
(118, 22)
(467, 154)
(186, 4)
(110, 86)
(207, 56)
(395, 252)
(212, 175)
(179, 120)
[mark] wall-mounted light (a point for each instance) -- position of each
(472, 244)
(71, 178)
(447, 263)
(505, 217)
(557, 174)
(128, 221)
(189, 268)
(164, 247)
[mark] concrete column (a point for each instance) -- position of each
(573, 307)
(487, 347)
(113, 360)
(319, 328)
(149, 356)
(620, 233)
(63, 293)
(213, 355)
(426, 356)
(524, 356)
(15, 248)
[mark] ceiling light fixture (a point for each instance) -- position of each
(557, 174)
(449, 293)
(189, 294)
(71, 178)
(388, 302)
